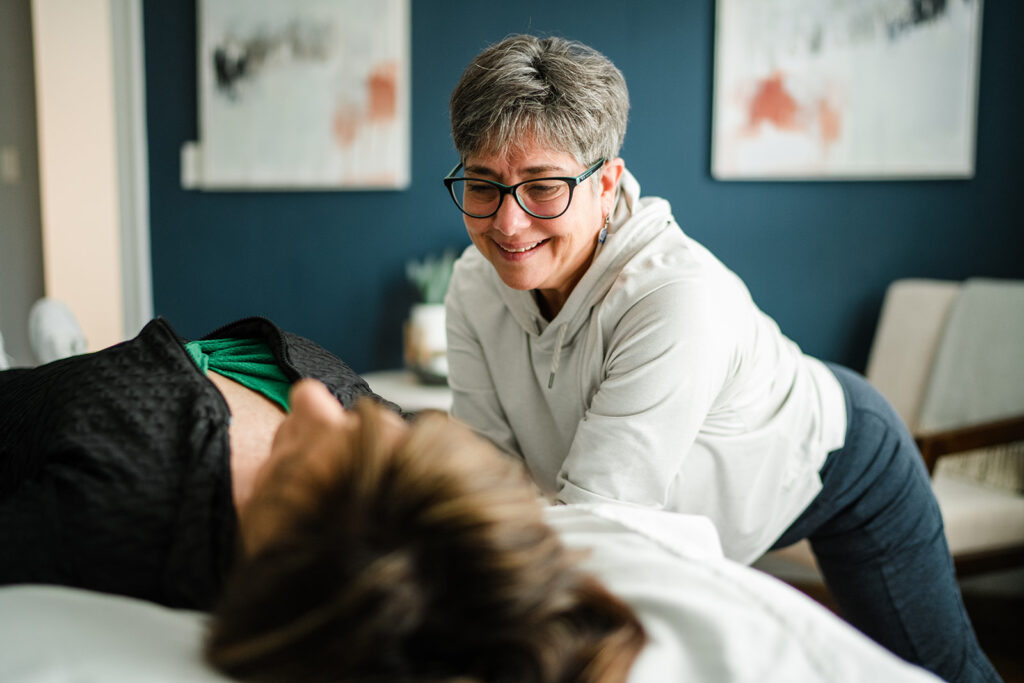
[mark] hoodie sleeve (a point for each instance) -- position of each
(474, 395)
(669, 357)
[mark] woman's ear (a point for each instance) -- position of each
(611, 173)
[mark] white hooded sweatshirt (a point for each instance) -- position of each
(659, 383)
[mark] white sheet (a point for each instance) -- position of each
(713, 619)
(51, 634)
(709, 619)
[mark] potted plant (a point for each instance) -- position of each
(425, 338)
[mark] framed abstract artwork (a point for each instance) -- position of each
(832, 89)
(303, 94)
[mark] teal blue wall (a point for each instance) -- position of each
(816, 256)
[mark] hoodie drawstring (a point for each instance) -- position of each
(556, 354)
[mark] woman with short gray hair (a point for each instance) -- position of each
(591, 337)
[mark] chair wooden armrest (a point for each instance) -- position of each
(933, 445)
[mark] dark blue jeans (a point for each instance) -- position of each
(877, 533)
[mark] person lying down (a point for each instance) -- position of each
(368, 547)
(379, 550)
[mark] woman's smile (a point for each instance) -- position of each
(520, 251)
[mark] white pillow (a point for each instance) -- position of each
(54, 634)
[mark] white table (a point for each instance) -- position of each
(402, 387)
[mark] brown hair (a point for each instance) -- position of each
(422, 560)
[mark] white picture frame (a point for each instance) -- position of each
(831, 89)
(303, 94)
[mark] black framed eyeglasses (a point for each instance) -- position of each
(539, 197)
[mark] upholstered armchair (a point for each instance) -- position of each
(949, 356)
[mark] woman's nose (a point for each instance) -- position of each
(510, 217)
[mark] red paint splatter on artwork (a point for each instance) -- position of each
(829, 119)
(382, 89)
(380, 107)
(345, 124)
(772, 104)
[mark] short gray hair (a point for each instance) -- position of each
(561, 93)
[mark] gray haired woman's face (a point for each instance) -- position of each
(546, 254)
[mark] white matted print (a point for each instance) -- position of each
(845, 89)
(304, 94)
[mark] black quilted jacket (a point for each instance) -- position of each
(114, 465)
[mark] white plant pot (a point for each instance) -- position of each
(426, 343)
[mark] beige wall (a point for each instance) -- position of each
(78, 163)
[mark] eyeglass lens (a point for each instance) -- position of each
(543, 198)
